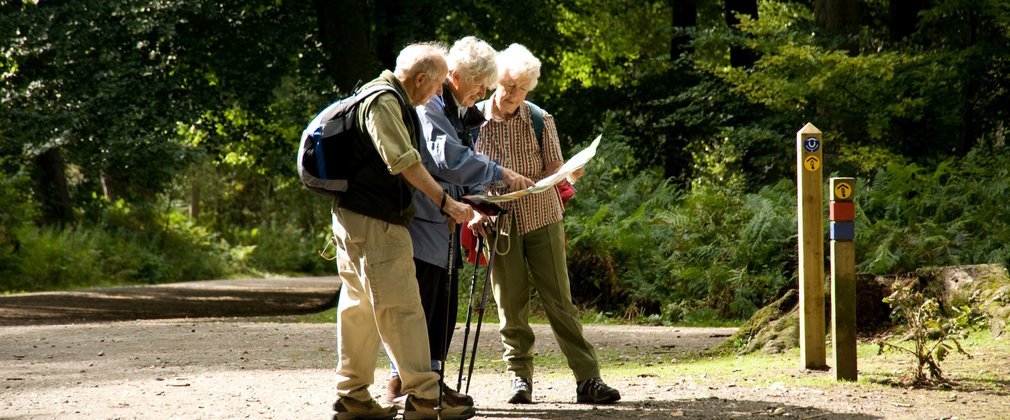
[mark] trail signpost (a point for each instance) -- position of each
(843, 276)
(810, 214)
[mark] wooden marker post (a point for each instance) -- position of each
(843, 276)
(810, 216)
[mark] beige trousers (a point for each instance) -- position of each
(379, 304)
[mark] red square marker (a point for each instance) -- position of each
(842, 211)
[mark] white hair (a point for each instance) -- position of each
(474, 59)
(519, 63)
(427, 57)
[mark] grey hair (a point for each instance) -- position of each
(415, 58)
(520, 63)
(474, 59)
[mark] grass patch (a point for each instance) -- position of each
(984, 371)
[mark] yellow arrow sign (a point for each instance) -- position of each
(812, 163)
(843, 190)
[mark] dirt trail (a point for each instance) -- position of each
(238, 367)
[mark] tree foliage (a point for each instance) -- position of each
(170, 126)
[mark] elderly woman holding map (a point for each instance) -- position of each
(532, 235)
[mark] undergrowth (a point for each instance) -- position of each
(654, 252)
(927, 332)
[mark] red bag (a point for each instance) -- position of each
(566, 190)
(469, 242)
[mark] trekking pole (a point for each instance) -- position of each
(469, 311)
(445, 330)
(483, 303)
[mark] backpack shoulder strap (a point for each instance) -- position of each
(381, 87)
(537, 115)
(358, 97)
(350, 102)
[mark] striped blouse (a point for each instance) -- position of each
(513, 143)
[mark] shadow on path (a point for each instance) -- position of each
(701, 408)
(216, 298)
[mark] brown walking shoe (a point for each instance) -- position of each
(349, 408)
(454, 397)
(393, 390)
(420, 409)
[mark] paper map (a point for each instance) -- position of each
(579, 160)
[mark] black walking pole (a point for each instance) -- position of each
(483, 302)
(445, 330)
(488, 209)
(469, 311)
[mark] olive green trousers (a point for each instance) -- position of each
(536, 261)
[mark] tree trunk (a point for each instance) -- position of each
(685, 16)
(971, 87)
(400, 22)
(194, 200)
(956, 286)
(740, 56)
(774, 328)
(53, 193)
(903, 17)
(836, 15)
(344, 32)
(108, 189)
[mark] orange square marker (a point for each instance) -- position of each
(842, 211)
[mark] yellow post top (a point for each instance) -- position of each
(808, 149)
(809, 129)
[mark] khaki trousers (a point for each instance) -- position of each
(379, 304)
(543, 251)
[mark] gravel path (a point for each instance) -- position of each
(232, 368)
(199, 351)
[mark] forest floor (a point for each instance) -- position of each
(277, 367)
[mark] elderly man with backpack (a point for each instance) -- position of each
(379, 300)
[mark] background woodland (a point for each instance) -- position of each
(151, 141)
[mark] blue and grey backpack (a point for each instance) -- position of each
(324, 164)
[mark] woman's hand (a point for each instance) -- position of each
(515, 181)
(576, 174)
